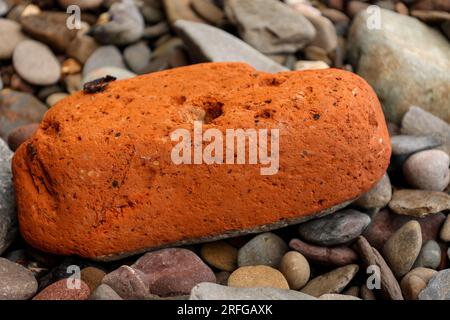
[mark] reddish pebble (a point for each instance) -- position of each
(60, 291)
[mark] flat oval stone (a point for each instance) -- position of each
(64, 174)
(428, 170)
(220, 255)
(211, 291)
(408, 144)
(334, 229)
(10, 37)
(403, 247)
(419, 203)
(264, 249)
(295, 269)
(429, 256)
(40, 68)
(332, 282)
(257, 277)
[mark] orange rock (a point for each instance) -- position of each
(97, 179)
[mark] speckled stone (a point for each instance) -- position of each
(16, 282)
(438, 287)
(60, 291)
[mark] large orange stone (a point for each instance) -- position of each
(97, 179)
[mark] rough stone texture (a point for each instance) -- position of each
(18, 109)
(438, 287)
(419, 203)
(390, 288)
(211, 291)
(428, 170)
(385, 223)
(335, 256)
(406, 62)
(207, 43)
(256, 277)
(332, 282)
(403, 247)
(83, 206)
(50, 28)
(415, 281)
(129, 283)
(60, 291)
(8, 218)
(20, 134)
(16, 282)
(419, 122)
(264, 249)
(269, 25)
(337, 228)
(295, 269)
(377, 197)
(167, 272)
(407, 144)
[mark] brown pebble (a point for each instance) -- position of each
(20, 135)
